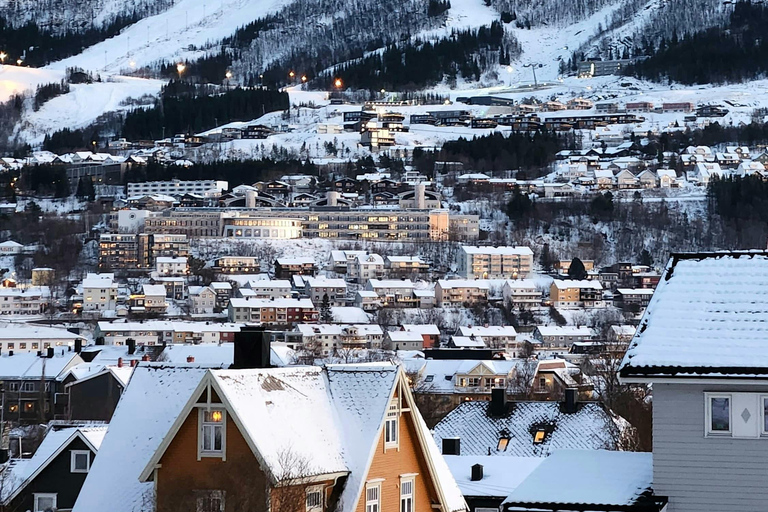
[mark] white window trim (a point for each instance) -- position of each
(370, 485)
(315, 489)
(408, 478)
(708, 432)
(73, 455)
(39, 495)
(395, 420)
(217, 455)
(205, 494)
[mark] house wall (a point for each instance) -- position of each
(94, 399)
(701, 474)
(392, 463)
(57, 478)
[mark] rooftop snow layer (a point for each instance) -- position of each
(708, 316)
(501, 475)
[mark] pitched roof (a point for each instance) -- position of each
(501, 475)
(154, 397)
(591, 427)
(21, 472)
(606, 478)
(706, 319)
(502, 251)
(31, 366)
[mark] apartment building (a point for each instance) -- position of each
(317, 288)
(157, 332)
(118, 251)
(237, 265)
(99, 292)
(329, 338)
(521, 293)
(393, 292)
(205, 188)
(464, 228)
(573, 293)
(24, 339)
(29, 301)
(285, 268)
(401, 266)
(364, 267)
(272, 311)
(267, 289)
(455, 292)
(495, 262)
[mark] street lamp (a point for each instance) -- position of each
(180, 67)
(304, 78)
(510, 69)
(19, 62)
(292, 75)
(3, 56)
(338, 83)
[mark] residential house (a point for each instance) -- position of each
(99, 292)
(626, 179)
(495, 262)
(456, 292)
(32, 382)
(157, 332)
(53, 477)
(363, 267)
(317, 288)
(404, 340)
(175, 287)
(604, 179)
(648, 179)
(93, 396)
(367, 300)
(27, 301)
(430, 333)
(267, 289)
(562, 336)
(272, 311)
(171, 266)
(328, 339)
(701, 346)
(521, 293)
(633, 296)
(10, 248)
(21, 338)
(393, 292)
(527, 429)
(466, 342)
(237, 265)
(667, 178)
(368, 446)
(287, 267)
(223, 291)
(202, 300)
(404, 266)
(494, 336)
(150, 300)
(573, 293)
(339, 260)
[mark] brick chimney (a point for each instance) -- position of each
(190, 359)
(145, 357)
(119, 362)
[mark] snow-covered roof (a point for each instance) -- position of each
(10, 244)
(605, 478)
(565, 330)
(501, 475)
(31, 366)
(405, 259)
(635, 291)
(349, 315)
(86, 371)
(369, 259)
(591, 427)
(706, 318)
(271, 303)
(171, 259)
(148, 407)
(153, 290)
(467, 341)
(10, 332)
(390, 283)
(564, 284)
(429, 329)
(487, 330)
(23, 471)
(502, 251)
(481, 284)
(296, 261)
(405, 337)
(623, 330)
(324, 282)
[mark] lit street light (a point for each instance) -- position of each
(338, 83)
(510, 69)
(304, 78)
(180, 67)
(3, 56)
(19, 62)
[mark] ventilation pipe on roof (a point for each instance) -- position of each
(571, 400)
(498, 402)
(477, 473)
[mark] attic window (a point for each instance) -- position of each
(539, 436)
(429, 378)
(80, 461)
(391, 425)
(503, 443)
(212, 433)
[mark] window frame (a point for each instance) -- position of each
(315, 489)
(708, 431)
(39, 495)
(207, 495)
(762, 407)
(73, 457)
(373, 505)
(392, 425)
(411, 480)
(201, 423)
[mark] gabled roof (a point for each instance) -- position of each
(345, 406)
(22, 472)
(605, 479)
(707, 318)
(154, 397)
(501, 475)
(591, 427)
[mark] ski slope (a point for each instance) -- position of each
(15, 80)
(183, 32)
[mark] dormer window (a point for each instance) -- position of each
(212, 433)
(539, 436)
(503, 443)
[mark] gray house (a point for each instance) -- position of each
(703, 345)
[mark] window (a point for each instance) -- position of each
(372, 494)
(314, 498)
(80, 461)
(391, 425)
(406, 495)
(212, 432)
(28, 386)
(429, 378)
(538, 438)
(44, 502)
(210, 501)
(719, 410)
(503, 443)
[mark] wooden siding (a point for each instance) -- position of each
(182, 474)
(701, 474)
(392, 463)
(94, 399)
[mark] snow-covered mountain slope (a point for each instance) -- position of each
(16, 80)
(178, 33)
(60, 15)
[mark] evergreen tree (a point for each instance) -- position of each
(326, 316)
(645, 258)
(576, 270)
(546, 259)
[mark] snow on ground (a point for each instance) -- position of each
(84, 104)
(463, 15)
(172, 35)
(15, 79)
